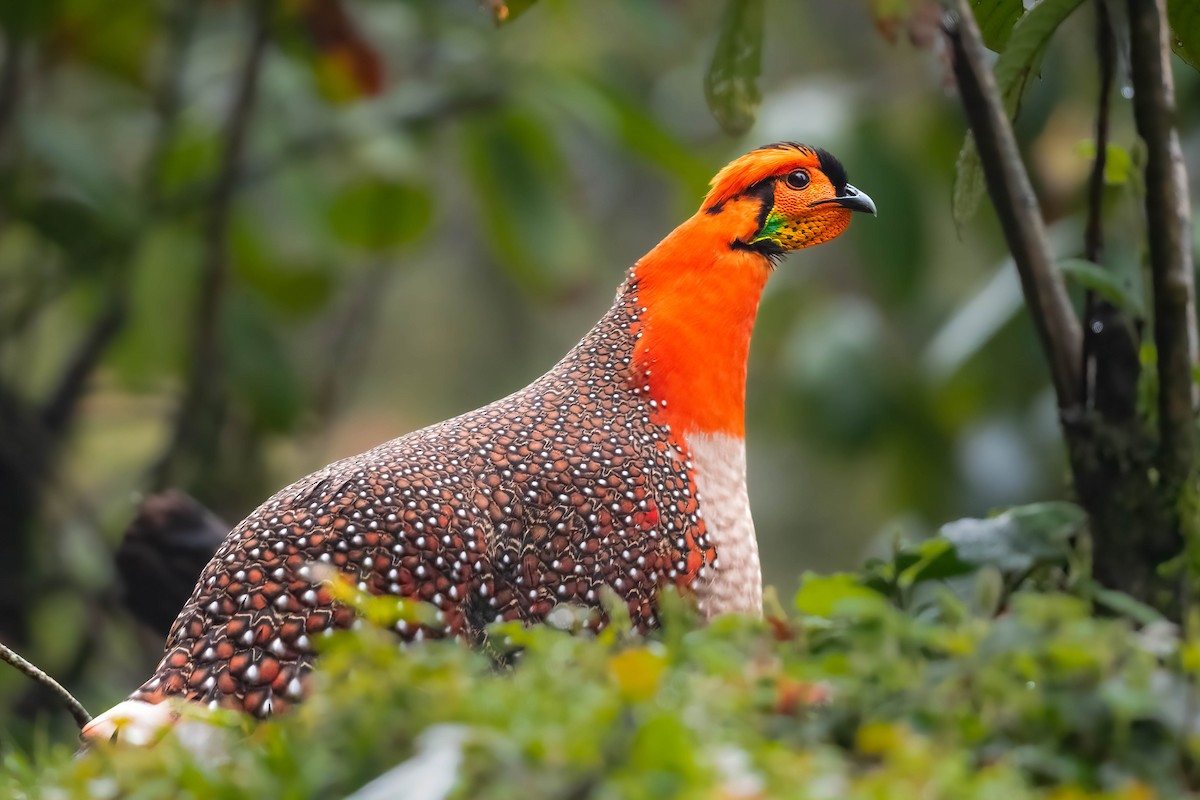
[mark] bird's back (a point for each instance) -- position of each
(546, 496)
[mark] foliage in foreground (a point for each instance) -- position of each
(852, 697)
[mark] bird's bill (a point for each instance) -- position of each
(852, 199)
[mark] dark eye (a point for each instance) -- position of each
(798, 179)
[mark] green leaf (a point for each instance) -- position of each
(154, 343)
(378, 214)
(731, 85)
(189, 160)
(53, 142)
(630, 124)
(1118, 162)
(116, 38)
(1020, 59)
(664, 742)
(84, 233)
(1123, 604)
(996, 19)
(987, 591)
(261, 371)
(1026, 45)
(825, 595)
(968, 182)
(1019, 538)
(294, 288)
(505, 11)
(890, 15)
(519, 178)
(936, 559)
(1104, 283)
(933, 559)
(1119, 167)
(1184, 19)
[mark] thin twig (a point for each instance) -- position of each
(1111, 365)
(58, 411)
(1168, 229)
(1093, 237)
(180, 21)
(347, 348)
(10, 96)
(10, 656)
(1017, 207)
(10, 81)
(202, 388)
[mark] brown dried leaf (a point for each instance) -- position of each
(348, 66)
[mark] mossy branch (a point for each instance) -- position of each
(1168, 228)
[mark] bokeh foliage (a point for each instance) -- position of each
(427, 211)
(851, 697)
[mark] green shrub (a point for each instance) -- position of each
(858, 700)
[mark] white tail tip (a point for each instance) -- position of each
(133, 722)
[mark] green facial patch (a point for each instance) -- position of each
(774, 230)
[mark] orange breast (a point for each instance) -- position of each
(700, 297)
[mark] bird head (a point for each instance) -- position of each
(784, 197)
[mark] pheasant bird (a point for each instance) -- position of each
(622, 467)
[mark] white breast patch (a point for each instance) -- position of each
(735, 585)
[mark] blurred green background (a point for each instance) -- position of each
(427, 211)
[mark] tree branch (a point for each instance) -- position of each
(10, 96)
(1168, 227)
(1093, 237)
(201, 390)
(1017, 207)
(347, 345)
(10, 656)
(180, 22)
(10, 81)
(1110, 350)
(58, 411)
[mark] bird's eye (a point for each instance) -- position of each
(798, 179)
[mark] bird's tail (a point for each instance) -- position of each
(134, 722)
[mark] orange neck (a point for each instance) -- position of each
(700, 298)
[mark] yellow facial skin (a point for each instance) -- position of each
(807, 210)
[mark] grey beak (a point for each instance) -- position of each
(852, 199)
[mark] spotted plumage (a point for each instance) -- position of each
(543, 497)
(621, 468)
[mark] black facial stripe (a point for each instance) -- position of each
(766, 248)
(765, 192)
(833, 169)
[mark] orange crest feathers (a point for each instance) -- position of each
(768, 161)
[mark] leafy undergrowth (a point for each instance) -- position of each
(848, 695)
